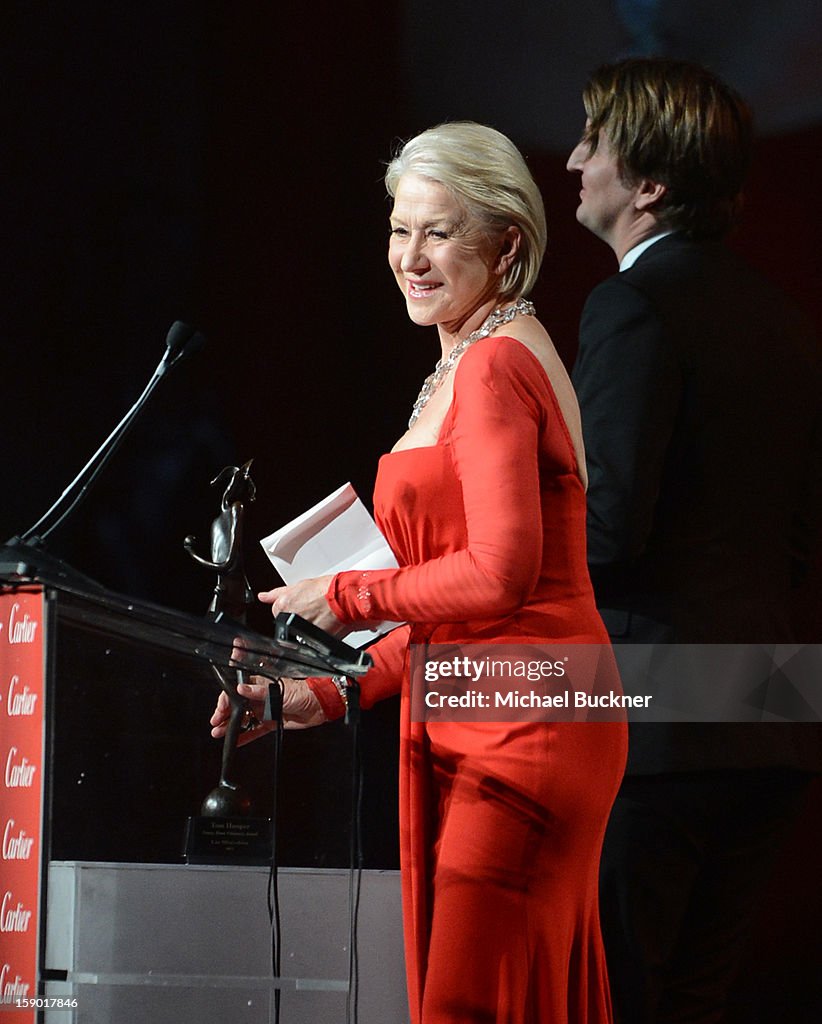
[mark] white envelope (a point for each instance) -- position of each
(336, 535)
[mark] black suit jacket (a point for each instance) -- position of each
(699, 386)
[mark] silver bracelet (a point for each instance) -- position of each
(341, 684)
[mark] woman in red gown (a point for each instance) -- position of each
(483, 503)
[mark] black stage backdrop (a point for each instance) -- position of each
(222, 164)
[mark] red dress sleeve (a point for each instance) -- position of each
(496, 418)
(383, 680)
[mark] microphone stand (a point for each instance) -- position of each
(24, 557)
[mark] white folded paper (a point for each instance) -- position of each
(335, 535)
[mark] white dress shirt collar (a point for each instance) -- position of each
(632, 255)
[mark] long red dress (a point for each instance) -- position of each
(501, 824)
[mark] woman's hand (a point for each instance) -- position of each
(301, 709)
(307, 599)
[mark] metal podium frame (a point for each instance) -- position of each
(81, 902)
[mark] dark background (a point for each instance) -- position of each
(221, 164)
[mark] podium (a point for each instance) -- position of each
(94, 690)
(189, 944)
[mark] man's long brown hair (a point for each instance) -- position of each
(677, 124)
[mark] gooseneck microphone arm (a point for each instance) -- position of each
(182, 341)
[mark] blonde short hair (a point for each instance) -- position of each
(487, 174)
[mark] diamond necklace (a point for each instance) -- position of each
(500, 316)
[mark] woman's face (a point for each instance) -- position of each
(443, 261)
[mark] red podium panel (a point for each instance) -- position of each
(22, 751)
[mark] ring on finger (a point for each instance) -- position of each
(250, 721)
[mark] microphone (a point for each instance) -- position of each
(182, 341)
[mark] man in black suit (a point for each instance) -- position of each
(699, 386)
